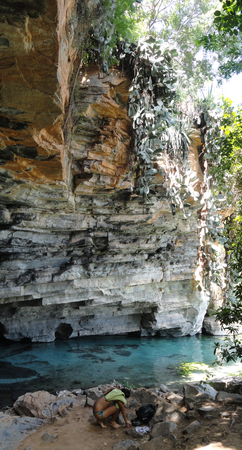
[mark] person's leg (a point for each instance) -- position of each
(113, 422)
(99, 417)
(114, 412)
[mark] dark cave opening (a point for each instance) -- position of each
(2, 332)
(63, 331)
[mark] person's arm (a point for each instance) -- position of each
(123, 411)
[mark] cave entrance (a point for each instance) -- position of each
(2, 332)
(63, 331)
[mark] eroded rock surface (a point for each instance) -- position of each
(80, 254)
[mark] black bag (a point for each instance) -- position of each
(144, 414)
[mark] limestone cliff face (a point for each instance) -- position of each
(81, 255)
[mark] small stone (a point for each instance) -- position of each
(204, 410)
(63, 412)
(90, 401)
(120, 420)
(82, 399)
(190, 414)
(176, 416)
(175, 399)
(134, 404)
(47, 437)
(225, 414)
(192, 427)
(164, 388)
(124, 445)
(77, 392)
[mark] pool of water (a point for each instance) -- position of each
(90, 361)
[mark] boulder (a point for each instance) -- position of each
(164, 411)
(33, 403)
(165, 429)
(57, 407)
(144, 396)
(192, 427)
(94, 393)
(14, 429)
(227, 397)
(194, 392)
(176, 399)
(227, 384)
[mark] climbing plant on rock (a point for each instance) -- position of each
(160, 133)
(151, 95)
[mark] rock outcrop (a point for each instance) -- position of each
(80, 254)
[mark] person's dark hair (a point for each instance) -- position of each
(126, 392)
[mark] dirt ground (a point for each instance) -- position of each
(79, 431)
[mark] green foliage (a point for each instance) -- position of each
(226, 39)
(224, 157)
(101, 25)
(157, 127)
(151, 94)
(180, 25)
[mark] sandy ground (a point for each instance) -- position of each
(79, 431)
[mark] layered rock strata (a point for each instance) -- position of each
(81, 255)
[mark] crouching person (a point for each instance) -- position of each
(111, 403)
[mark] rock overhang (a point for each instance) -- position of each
(79, 251)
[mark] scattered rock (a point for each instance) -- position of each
(227, 384)
(134, 404)
(32, 404)
(204, 410)
(164, 388)
(13, 429)
(124, 445)
(198, 392)
(176, 416)
(165, 429)
(90, 401)
(144, 396)
(47, 437)
(78, 392)
(65, 394)
(227, 397)
(175, 399)
(94, 393)
(192, 427)
(120, 420)
(164, 410)
(190, 414)
(82, 399)
(62, 412)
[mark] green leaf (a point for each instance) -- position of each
(151, 40)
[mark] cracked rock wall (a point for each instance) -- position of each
(81, 255)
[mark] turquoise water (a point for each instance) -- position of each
(87, 362)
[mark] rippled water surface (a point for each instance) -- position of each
(87, 362)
